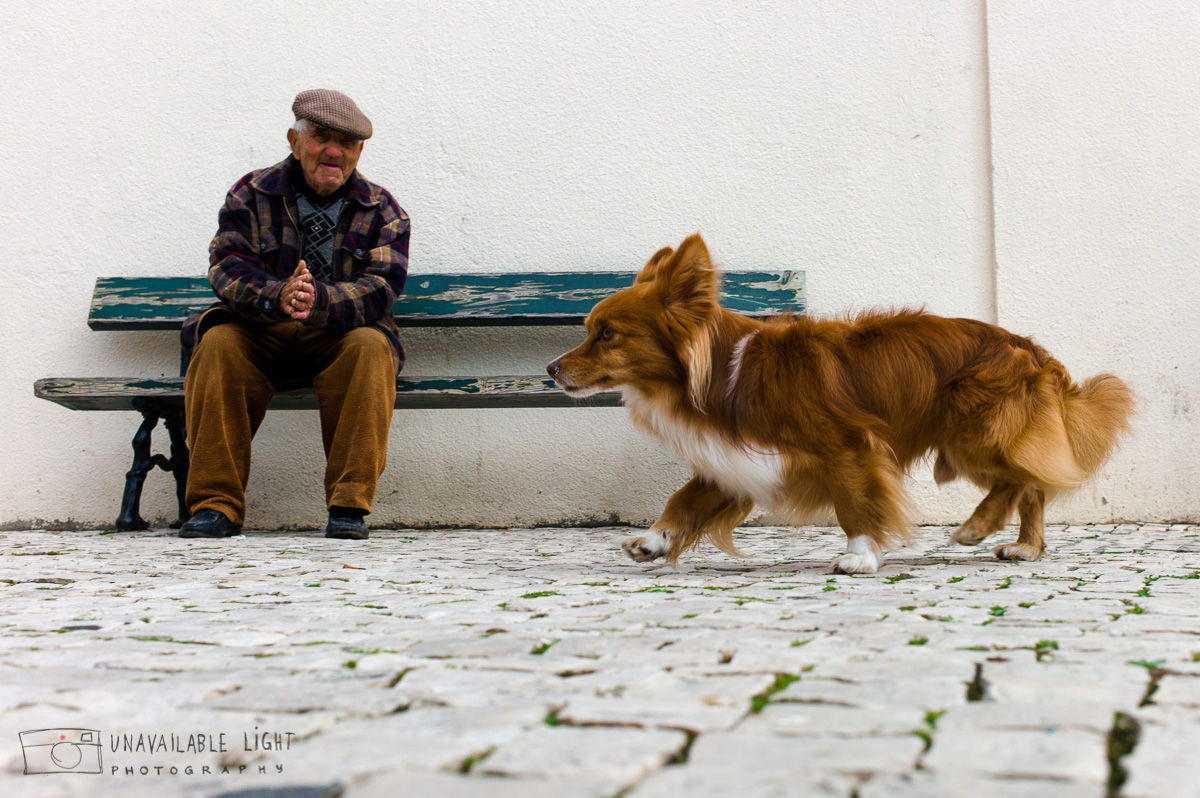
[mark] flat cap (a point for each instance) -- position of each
(333, 110)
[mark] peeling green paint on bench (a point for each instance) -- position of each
(444, 300)
(412, 393)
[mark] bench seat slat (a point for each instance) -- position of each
(412, 393)
(444, 300)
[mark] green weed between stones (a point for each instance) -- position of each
(1122, 739)
(473, 760)
(931, 719)
(542, 648)
(782, 680)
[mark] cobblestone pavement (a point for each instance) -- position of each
(533, 663)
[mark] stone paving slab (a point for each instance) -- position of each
(1060, 755)
(930, 785)
(1165, 761)
(502, 663)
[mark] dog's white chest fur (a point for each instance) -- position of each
(753, 473)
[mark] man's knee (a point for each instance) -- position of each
(226, 354)
(221, 339)
(367, 343)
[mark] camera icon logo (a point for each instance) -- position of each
(61, 751)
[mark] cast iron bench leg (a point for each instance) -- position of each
(142, 463)
(180, 461)
(130, 517)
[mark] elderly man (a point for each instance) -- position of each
(308, 258)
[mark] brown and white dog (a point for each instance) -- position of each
(799, 415)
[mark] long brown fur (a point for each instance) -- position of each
(843, 407)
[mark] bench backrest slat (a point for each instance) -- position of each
(445, 300)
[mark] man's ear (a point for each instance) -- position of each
(293, 137)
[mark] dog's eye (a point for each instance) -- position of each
(606, 333)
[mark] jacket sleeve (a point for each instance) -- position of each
(369, 297)
(235, 270)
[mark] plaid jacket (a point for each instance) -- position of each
(257, 247)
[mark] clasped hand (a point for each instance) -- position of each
(298, 293)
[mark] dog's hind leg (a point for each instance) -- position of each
(1030, 540)
(696, 510)
(943, 472)
(990, 516)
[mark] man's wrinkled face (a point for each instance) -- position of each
(326, 156)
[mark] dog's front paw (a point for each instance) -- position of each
(863, 556)
(1018, 551)
(850, 563)
(648, 547)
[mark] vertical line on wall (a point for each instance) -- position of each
(989, 179)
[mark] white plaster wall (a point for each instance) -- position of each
(1097, 197)
(848, 139)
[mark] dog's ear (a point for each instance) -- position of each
(648, 272)
(687, 278)
(688, 283)
(696, 356)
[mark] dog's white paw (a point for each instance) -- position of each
(863, 556)
(855, 564)
(647, 547)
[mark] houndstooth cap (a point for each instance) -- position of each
(333, 110)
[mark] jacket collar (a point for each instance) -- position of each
(277, 180)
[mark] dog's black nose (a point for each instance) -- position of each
(553, 369)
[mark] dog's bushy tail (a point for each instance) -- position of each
(1096, 414)
(1072, 428)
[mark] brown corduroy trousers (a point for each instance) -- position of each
(232, 376)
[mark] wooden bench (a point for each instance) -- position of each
(429, 300)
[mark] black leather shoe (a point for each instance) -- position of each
(209, 524)
(346, 523)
